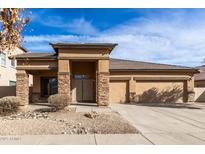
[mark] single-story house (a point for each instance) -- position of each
(85, 73)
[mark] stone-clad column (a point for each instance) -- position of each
(190, 90)
(64, 85)
(103, 83)
(103, 89)
(132, 91)
(22, 87)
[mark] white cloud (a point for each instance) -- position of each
(78, 26)
(81, 26)
(49, 38)
(175, 38)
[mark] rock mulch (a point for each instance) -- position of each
(64, 122)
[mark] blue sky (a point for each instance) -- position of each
(173, 36)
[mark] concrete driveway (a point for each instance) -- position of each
(167, 125)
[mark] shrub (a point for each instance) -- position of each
(58, 102)
(9, 104)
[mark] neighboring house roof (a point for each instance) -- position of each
(200, 76)
(129, 65)
(116, 64)
(24, 49)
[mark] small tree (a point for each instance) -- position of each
(12, 22)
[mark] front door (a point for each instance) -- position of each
(83, 90)
(48, 86)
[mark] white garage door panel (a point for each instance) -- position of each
(118, 91)
(165, 92)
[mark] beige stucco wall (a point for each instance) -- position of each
(103, 65)
(199, 94)
(83, 53)
(64, 66)
(118, 91)
(155, 91)
(8, 72)
(37, 64)
(175, 84)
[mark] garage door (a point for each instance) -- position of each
(118, 91)
(161, 92)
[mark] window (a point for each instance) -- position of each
(12, 83)
(81, 76)
(13, 62)
(3, 59)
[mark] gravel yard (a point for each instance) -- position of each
(64, 122)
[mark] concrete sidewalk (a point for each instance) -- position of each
(95, 139)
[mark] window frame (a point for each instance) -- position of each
(13, 83)
(81, 76)
(3, 58)
(14, 62)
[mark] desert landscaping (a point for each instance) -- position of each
(44, 122)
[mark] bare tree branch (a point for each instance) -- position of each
(12, 22)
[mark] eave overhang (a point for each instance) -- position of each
(155, 70)
(107, 46)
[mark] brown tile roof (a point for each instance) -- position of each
(115, 64)
(119, 64)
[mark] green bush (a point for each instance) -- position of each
(58, 102)
(9, 104)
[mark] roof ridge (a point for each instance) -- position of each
(152, 63)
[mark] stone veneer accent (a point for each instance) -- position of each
(132, 91)
(103, 89)
(22, 88)
(64, 84)
(133, 97)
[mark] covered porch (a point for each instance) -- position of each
(80, 82)
(83, 82)
(80, 71)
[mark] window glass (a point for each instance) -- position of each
(13, 62)
(3, 59)
(12, 83)
(81, 76)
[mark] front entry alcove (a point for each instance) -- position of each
(83, 81)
